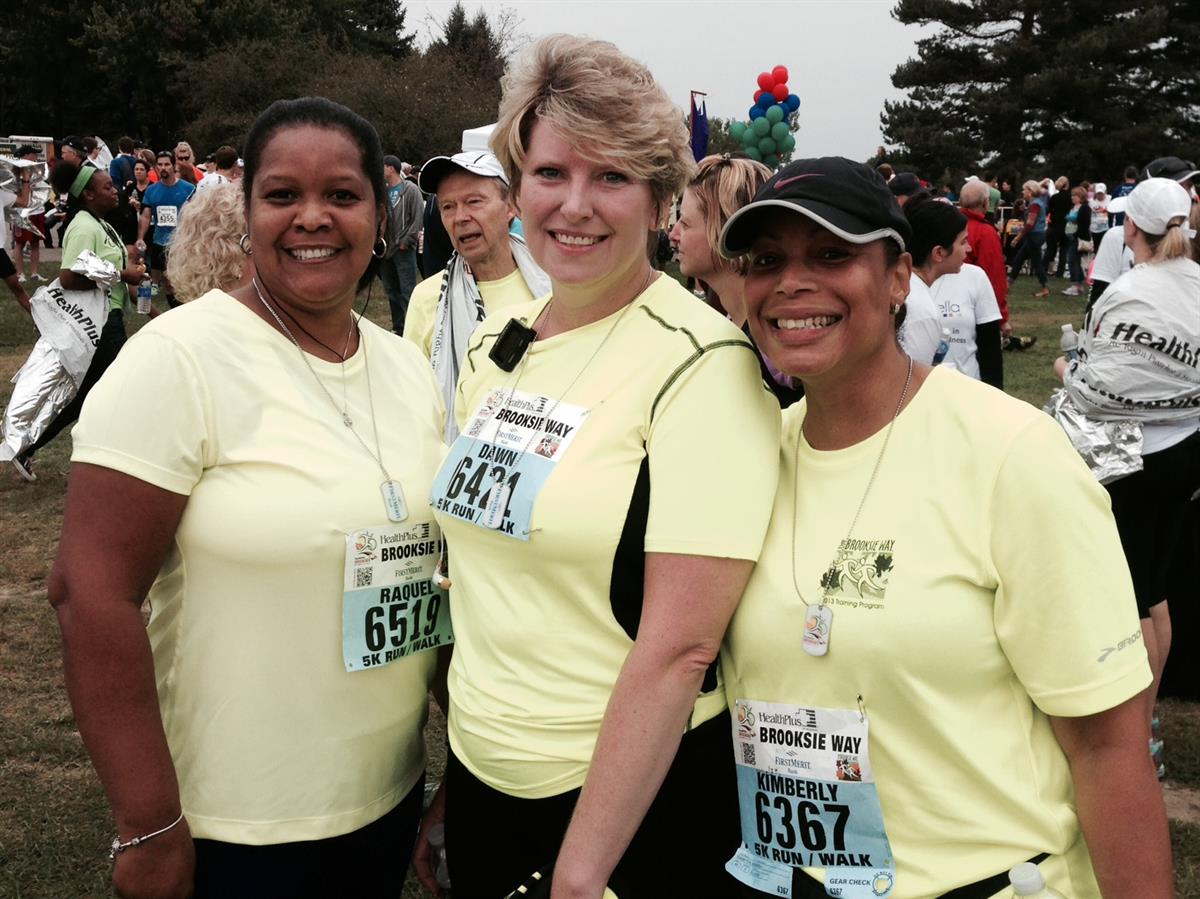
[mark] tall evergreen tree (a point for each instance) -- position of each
(1075, 87)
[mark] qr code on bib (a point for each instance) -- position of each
(362, 577)
(748, 756)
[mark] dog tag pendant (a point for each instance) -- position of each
(493, 514)
(393, 501)
(818, 621)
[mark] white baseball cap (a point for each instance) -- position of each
(477, 162)
(1155, 202)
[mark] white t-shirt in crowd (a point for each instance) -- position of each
(964, 300)
(1113, 258)
(922, 328)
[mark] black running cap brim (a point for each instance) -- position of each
(740, 231)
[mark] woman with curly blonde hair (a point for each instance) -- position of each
(205, 253)
(598, 549)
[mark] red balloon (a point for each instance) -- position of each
(780, 92)
(779, 74)
(766, 81)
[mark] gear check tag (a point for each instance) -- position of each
(498, 465)
(390, 606)
(807, 798)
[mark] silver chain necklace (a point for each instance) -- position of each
(818, 618)
(493, 514)
(393, 495)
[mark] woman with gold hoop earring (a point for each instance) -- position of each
(255, 467)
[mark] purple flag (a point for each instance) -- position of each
(699, 128)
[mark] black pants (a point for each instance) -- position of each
(369, 862)
(1055, 253)
(1150, 507)
(112, 338)
(494, 841)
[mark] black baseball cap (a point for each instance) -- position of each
(845, 197)
(1170, 167)
(904, 184)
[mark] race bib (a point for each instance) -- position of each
(390, 606)
(166, 216)
(807, 799)
(497, 466)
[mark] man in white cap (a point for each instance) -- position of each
(489, 270)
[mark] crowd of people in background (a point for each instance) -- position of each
(666, 525)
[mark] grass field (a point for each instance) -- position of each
(54, 822)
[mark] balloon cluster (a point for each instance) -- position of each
(767, 135)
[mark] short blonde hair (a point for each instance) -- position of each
(604, 104)
(205, 253)
(722, 185)
(1034, 187)
(1062, 182)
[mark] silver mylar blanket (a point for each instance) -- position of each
(69, 322)
(1112, 449)
(18, 216)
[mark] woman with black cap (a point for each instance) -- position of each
(967, 698)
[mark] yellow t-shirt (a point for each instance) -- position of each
(421, 317)
(985, 588)
(675, 453)
(272, 739)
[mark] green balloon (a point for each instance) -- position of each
(771, 161)
(761, 126)
(766, 146)
(737, 129)
(749, 135)
(789, 143)
(779, 131)
(774, 114)
(753, 153)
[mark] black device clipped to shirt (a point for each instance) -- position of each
(511, 345)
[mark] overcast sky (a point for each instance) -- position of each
(840, 54)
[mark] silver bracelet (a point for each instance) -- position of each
(118, 847)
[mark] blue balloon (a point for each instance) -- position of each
(767, 100)
(793, 102)
(756, 112)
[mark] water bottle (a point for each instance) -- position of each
(1028, 881)
(943, 347)
(143, 296)
(1069, 343)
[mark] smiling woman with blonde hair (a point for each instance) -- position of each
(597, 549)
